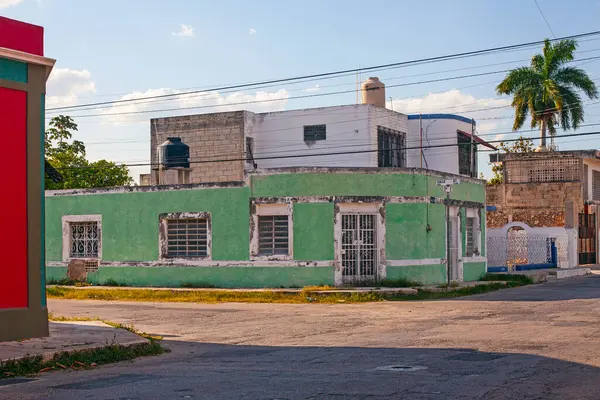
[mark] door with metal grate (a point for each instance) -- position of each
(587, 239)
(359, 248)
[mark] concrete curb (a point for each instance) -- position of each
(65, 341)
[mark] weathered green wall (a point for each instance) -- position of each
(55, 273)
(224, 277)
(424, 274)
(406, 232)
(130, 228)
(13, 70)
(360, 184)
(313, 231)
(464, 191)
(473, 271)
(130, 221)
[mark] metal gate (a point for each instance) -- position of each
(587, 239)
(359, 248)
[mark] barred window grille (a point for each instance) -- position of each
(470, 230)
(85, 239)
(586, 180)
(315, 132)
(273, 237)
(391, 148)
(467, 156)
(187, 238)
(595, 185)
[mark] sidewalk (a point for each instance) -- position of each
(68, 336)
(544, 275)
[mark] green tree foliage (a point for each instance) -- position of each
(547, 90)
(69, 158)
(521, 145)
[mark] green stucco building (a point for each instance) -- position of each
(289, 227)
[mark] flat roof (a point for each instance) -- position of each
(442, 116)
(546, 154)
(477, 139)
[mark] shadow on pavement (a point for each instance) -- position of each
(216, 371)
(584, 287)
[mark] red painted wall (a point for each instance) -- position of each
(13, 200)
(21, 36)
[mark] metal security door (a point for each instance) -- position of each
(587, 238)
(359, 248)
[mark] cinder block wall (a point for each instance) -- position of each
(211, 137)
(539, 204)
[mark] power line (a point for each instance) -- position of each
(286, 98)
(312, 96)
(159, 100)
(277, 146)
(330, 153)
(347, 71)
(543, 16)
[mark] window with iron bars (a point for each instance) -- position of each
(595, 185)
(470, 231)
(85, 239)
(467, 156)
(187, 238)
(391, 148)
(273, 235)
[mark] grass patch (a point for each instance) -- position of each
(512, 279)
(197, 285)
(399, 282)
(67, 282)
(307, 295)
(79, 359)
(449, 294)
(317, 288)
(451, 285)
(112, 282)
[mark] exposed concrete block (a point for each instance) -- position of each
(76, 270)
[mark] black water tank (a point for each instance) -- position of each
(174, 154)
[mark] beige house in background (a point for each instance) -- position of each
(553, 194)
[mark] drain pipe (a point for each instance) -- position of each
(448, 230)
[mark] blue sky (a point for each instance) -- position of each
(109, 50)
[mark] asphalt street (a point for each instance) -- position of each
(535, 342)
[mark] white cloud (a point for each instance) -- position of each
(65, 86)
(451, 101)
(9, 3)
(252, 31)
(312, 89)
(205, 102)
(456, 102)
(186, 31)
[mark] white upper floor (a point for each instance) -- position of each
(361, 135)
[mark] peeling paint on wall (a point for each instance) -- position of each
(404, 205)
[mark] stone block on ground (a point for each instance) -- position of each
(77, 271)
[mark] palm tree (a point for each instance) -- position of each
(548, 91)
